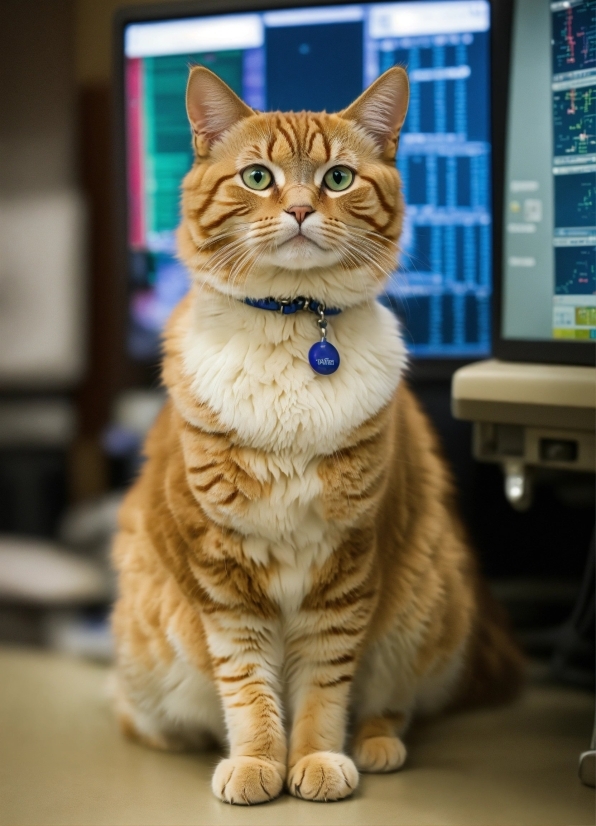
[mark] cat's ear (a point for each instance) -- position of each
(381, 109)
(212, 107)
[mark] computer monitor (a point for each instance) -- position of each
(546, 305)
(321, 57)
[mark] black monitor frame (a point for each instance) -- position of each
(501, 15)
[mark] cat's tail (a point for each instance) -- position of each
(495, 666)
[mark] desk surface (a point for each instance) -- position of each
(63, 761)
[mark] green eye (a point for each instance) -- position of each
(338, 178)
(257, 177)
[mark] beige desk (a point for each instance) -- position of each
(62, 761)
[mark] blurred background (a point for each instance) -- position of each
(74, 407)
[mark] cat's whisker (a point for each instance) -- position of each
(240, 266)
(245, 259)
(224, 256)
(214, 239)
(371, 245)
(358, 264)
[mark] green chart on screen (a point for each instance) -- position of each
(167, 146)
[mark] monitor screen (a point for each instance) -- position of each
(316, 58)
(549, 289)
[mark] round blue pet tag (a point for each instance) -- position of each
(323, 358)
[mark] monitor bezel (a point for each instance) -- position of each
(433, 368)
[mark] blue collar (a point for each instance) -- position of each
(322, 356)
(288, 307)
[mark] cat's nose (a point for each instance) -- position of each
(300, 212)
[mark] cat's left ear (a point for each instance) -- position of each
(381, 109)
(212, 107)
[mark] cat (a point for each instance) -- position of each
(294, 581)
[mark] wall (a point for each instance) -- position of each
(41, 214)
(93, 38)
(37, 135)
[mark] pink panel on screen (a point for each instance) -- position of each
(134, 148)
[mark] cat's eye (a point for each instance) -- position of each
(257, 177)
(338, 178)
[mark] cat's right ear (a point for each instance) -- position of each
(212, 107)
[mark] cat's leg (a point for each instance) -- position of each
(386, 693)
(382, 703)
(246, 656)
(323, 665)
(317, 767)
(377, 746)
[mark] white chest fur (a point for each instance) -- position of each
(251, 367)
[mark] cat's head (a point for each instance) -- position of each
(287, 204)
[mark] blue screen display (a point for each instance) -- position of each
(322, 58)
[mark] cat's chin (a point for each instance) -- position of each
(300, 254)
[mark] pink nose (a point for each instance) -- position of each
(300, 212)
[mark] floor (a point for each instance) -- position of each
(63, 761)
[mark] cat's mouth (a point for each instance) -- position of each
(300, 240)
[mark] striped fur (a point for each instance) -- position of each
(294, 580)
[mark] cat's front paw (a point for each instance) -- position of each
(247, 780)
(379, 754)
(323, 775)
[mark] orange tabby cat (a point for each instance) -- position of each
(291, 564)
